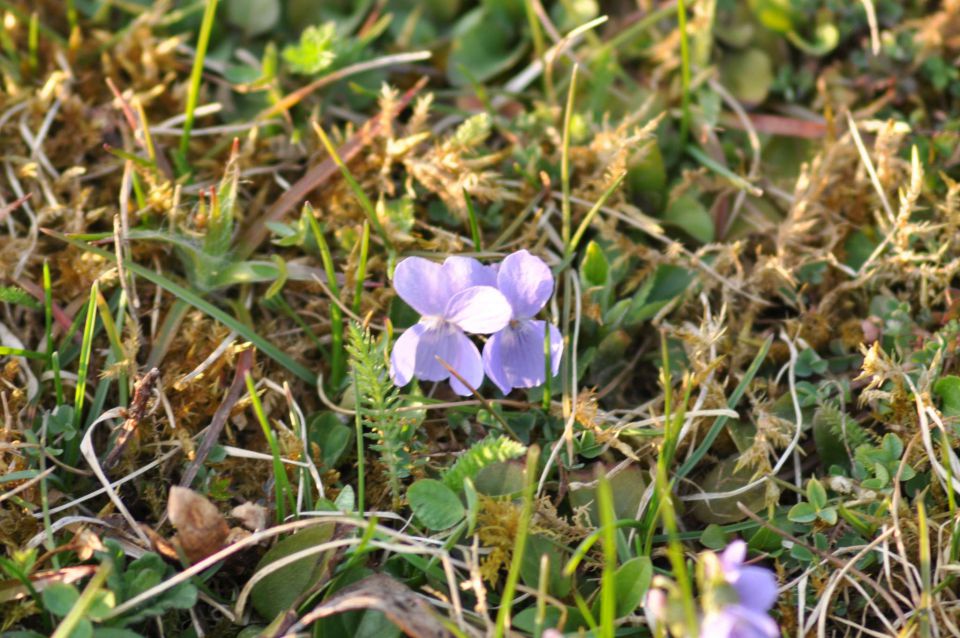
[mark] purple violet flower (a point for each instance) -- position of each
(756, 588)
(514, 357)
(455, 297)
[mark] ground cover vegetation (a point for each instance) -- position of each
(479, 318)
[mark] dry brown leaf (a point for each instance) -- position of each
(251, 515)
(201, 530)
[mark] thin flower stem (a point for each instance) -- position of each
(684, 72)
(667, 512)
(565, 162)
(523, 530)
(486, 404)
(361, 469)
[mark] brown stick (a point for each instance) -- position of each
(138, 407)
(244, 364)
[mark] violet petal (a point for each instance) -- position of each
(514, 358)
(479, 309)
(527, 283)
(422, 284)
(403, 359)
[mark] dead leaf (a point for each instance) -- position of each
(381, 593)
(201, 530)
(251, 515)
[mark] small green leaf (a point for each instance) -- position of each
(484, 43)
(829, 515)
(802, 554)
(346, 499)
(254, 17)
(594, 268)
(776, 15)
(689, 215)
(802, 513)
(59, 598)
(277, 591)
(748, 74)
(816, 494)
(713, 537)
(947, 389)
(435, 504)
(633, 580)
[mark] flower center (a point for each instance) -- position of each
(434, 322)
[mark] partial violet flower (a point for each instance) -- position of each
(514, 357)
(756, 590)
(756, 586)
(738, 621)
(456, 297)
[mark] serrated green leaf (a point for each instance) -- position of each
(314, 52)
(493, 449)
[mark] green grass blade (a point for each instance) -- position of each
(365, 202)
(337, 352)
(283, 494)
(83, 372)
(608, 581)
(474, 226)
(588, 218)
(732, 402)
(196, 74)
(361, 268)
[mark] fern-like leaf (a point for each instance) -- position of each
(378, 398)
(493, 449)
(843, 426)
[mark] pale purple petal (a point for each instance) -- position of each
(527, 283)
(736, 621)
(468, 365)
(719, 624)
(441, 340)
(480, 309)
(757, 588)
(403, 359)
(733, 556)
(422, 284)
(514, 357)
(463, 272)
